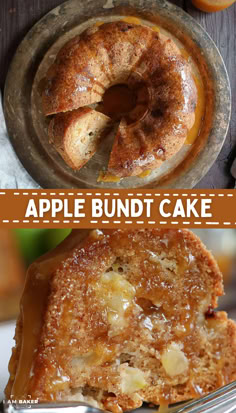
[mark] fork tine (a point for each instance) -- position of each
(220, 407)
(231, 410)
(212, 403)
(219, 396)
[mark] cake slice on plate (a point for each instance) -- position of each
(118, 317)
(77, 134)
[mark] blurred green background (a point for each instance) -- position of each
(35, 242)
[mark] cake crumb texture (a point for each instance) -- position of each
(128, 317)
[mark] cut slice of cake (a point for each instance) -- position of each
(76, 135)
(118, 317)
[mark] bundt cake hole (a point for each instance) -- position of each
(119, 100)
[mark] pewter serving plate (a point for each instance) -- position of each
(27, 125)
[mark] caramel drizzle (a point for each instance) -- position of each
(32, 307)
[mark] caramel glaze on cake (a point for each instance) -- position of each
(118, 317)
(153, 68)
(76, 135)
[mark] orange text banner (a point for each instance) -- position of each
(121, 209)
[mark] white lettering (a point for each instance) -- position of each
(44, 206)
(121, 208)
(79, 205)
(57, 206)
(191, 209)
(97, 208)
(31, 210)
(161, 208)
(179, 209)
(206, 204)
(136, 208)
(148, 203)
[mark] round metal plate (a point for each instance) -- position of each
(27, 126)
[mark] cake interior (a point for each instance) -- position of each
(126, 317)
(150, 340)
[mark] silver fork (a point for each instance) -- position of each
(222, 400)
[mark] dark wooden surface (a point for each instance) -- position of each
(17, 17)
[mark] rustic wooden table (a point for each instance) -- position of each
(17, 17)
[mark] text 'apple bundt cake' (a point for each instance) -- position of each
(118, 317)
(145, 64)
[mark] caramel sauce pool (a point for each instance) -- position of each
(32, 305)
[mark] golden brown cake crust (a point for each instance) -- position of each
(175, 281)
(76, 135)
(170, 114)
(148, 62)
(91, 62)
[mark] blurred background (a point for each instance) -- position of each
(222, 244)
(20, 247)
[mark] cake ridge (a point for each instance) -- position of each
(137, 56)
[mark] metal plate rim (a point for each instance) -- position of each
(50, 179)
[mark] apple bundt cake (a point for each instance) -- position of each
(146, 63)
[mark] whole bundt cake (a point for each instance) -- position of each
(118, 317)
(146, 62)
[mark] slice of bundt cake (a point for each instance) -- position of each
(138, 58)
(77, 134)
(118, 317)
